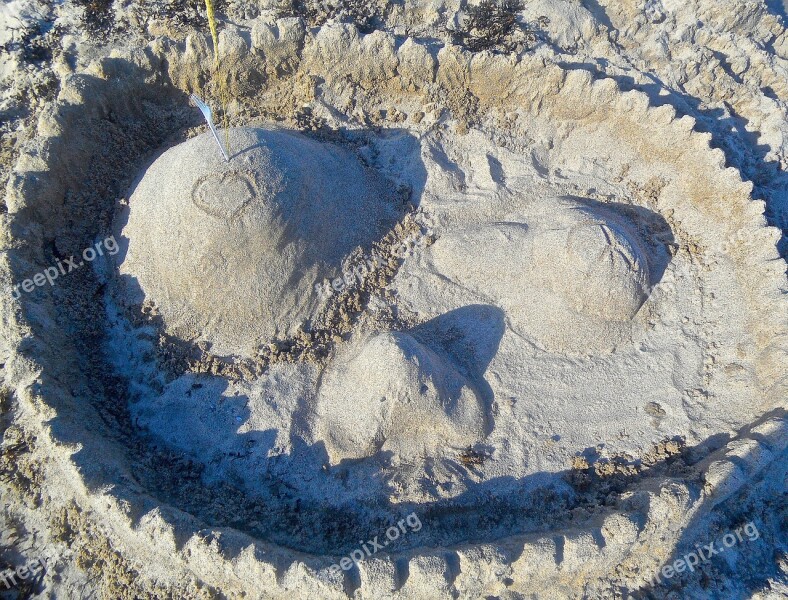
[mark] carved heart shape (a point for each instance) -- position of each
(224, 195)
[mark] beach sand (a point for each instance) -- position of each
(524, 284)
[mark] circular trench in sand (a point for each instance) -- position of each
(551, 332)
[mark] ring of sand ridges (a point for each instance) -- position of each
(592, 128)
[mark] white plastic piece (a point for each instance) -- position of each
(208, 114)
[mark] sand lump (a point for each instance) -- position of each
(570, 276)
(230, 252)
(396, 395)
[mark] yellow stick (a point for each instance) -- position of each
(222, 87)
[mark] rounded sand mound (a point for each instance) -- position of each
(230, 252)
(393, 394)
(569, 275)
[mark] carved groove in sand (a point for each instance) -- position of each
(225, 195)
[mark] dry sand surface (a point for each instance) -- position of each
(487, 302)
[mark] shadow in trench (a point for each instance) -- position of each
(735, 542)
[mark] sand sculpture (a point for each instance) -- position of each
(576, 377)
(568, 276)
(262, 230)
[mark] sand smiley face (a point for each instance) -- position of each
(225, 195)
(581, 282)
(605, 271)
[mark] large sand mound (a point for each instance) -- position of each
(230, 252)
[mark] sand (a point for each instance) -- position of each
(232, 254)
(532, 295)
